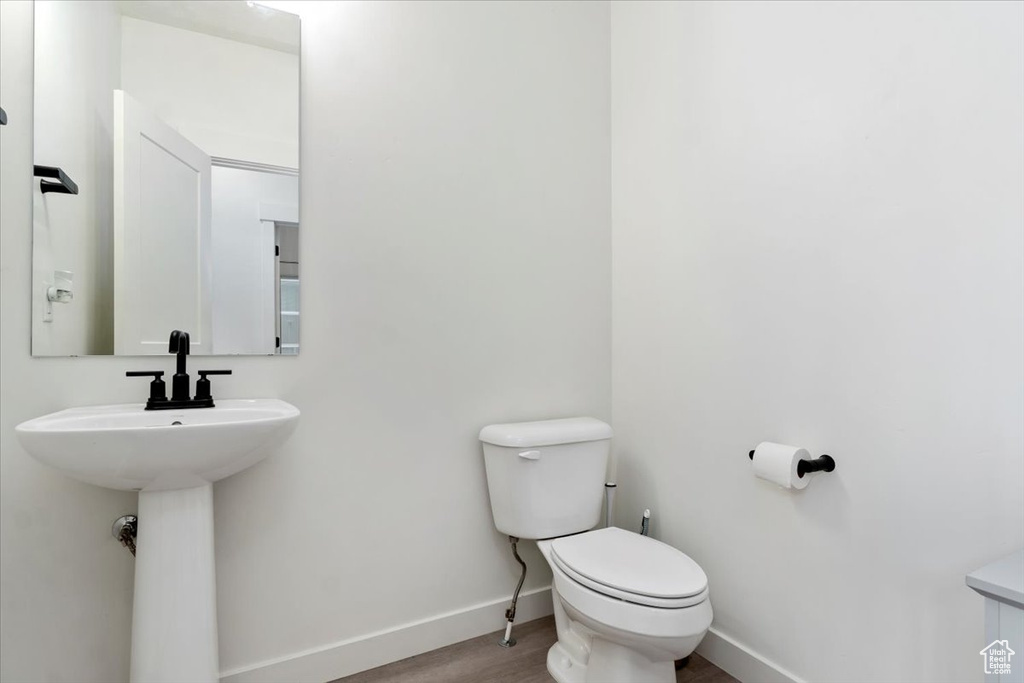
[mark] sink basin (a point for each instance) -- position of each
(130, 448)
(172, 457)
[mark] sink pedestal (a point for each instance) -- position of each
(174, 618)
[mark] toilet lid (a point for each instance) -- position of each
(626, 562)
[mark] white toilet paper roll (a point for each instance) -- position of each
(777, 463)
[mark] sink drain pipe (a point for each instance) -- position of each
(510, 613)
(125, 529)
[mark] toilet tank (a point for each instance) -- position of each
(546, 478)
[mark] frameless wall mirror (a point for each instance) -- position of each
(167, 190)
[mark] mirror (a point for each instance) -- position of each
(167, 189)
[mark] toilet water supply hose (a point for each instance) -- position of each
(510, 613)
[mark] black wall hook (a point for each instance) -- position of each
(823, 463)
(64, 184)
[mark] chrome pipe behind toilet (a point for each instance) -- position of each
(609, 503)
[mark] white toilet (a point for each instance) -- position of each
(626, 606)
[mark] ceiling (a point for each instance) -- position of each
(244, 22)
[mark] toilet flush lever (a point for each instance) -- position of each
(529, 455)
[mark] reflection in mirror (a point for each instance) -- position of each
(178, 121)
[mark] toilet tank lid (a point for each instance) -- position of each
(546, 432)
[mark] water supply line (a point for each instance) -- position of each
(609, 503)
(125, 529)
(510, 613)
(645, 523)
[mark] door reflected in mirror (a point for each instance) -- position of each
(178, 122)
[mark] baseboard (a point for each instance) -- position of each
(351, 656)
(741, 662)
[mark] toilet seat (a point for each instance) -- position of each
(645, 600)
(630, 567)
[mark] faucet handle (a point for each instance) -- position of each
(203, 384)
(157, 388)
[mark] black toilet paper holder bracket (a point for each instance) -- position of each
(823, 463)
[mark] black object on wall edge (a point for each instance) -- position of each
(64, 184)
(3, 117)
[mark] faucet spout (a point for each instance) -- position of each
(179, 344)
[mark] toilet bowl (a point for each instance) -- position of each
(626, 606)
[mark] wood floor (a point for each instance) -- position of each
(481, 660)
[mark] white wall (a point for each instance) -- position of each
(456, 272)
(77, 68)
(818, 239)
(231, 99)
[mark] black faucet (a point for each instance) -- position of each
(179, 345)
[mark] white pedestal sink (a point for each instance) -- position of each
(172, 458)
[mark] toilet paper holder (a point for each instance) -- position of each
(823, 463)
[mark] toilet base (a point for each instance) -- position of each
(590, 650)
(562, 668)
(608, 663)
